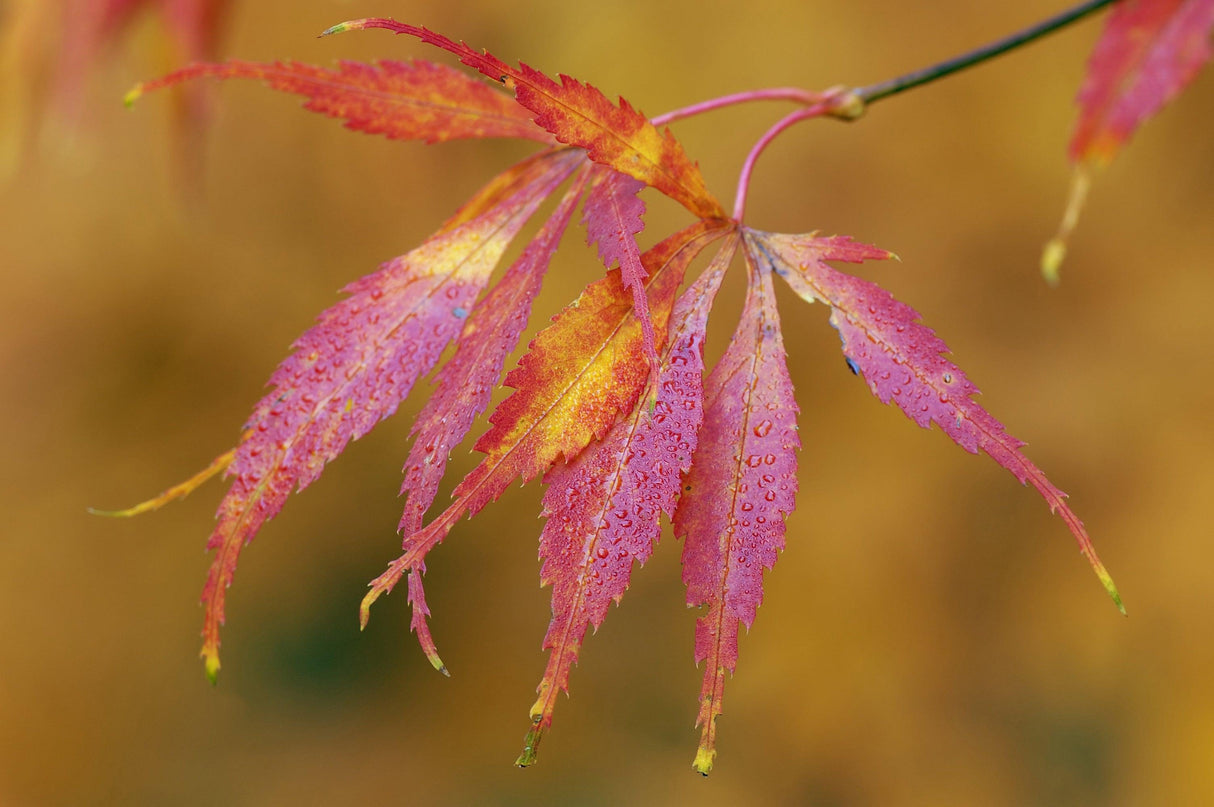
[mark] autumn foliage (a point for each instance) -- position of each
(611, 404)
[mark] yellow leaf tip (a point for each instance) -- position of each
(133, 95)
(1112, 590)
(1051, 260)
(704, 759)
(364, 608)
(212, 668)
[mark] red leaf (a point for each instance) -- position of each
(356, 365)
(402, 100)
(741, 486)
(580, 115)
(581, 372)
(903, 362)
(603, 508)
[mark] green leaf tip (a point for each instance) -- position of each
(437, 663)
(133, 95)
(1111, 588)
(528, 757)
(531, 744)
(342, 27)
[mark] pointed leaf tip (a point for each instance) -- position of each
(364, 608)
(342, 27)
(178, 491)
(1107, 581)
(530, 743)
(1055, 251)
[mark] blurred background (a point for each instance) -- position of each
(930, 636)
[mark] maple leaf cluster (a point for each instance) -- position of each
(612, 404)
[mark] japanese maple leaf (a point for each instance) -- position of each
(611, 403)
(1149, 51)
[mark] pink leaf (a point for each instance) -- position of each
(464, 386)
(741, 486)
(356, 365)
(1149, 51)
(903, 362)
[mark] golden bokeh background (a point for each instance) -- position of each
(929, 637)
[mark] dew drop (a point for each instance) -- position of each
(763, 429)
(754, 460)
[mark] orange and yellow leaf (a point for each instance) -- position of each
(580, 115)
(580, 374)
